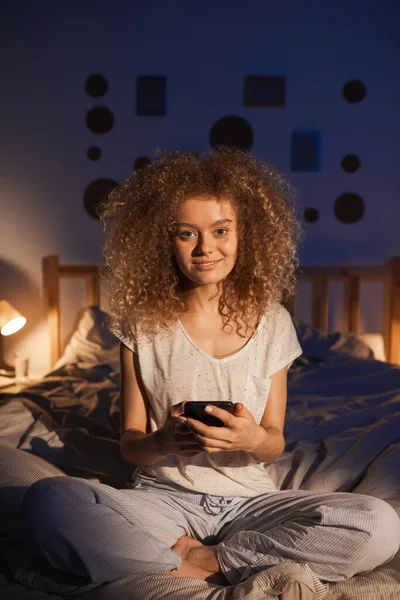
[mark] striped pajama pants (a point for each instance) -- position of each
(105, 534)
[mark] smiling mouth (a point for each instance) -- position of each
(206, 264)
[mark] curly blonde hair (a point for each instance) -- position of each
(147, 289)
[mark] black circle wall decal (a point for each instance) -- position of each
(94, 153)
(311, 215)
(95, 193)
(141, 162)
(351, 163)
(231, 131)
(354, 91)
(96, 85)
(99, 119)
(349, 208)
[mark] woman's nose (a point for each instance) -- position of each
(205, 245)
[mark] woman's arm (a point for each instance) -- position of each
(138, 446)
(270, 441)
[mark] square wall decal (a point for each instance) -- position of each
(306, 151)
(264, 91)
(150, 96)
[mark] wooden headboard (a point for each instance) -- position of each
(389, 275)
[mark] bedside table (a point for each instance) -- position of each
(8, 385)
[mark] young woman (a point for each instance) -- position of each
(200, 254)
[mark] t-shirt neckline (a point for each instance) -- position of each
(226, 358)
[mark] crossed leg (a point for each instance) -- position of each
(337, 534)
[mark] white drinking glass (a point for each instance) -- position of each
(21, 368)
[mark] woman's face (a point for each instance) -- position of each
(205, 240)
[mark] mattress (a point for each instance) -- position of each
(342, 434)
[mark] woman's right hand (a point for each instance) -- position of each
(177, 437)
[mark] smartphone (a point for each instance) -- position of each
(195, 410)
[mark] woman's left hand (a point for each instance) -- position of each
(240, 431)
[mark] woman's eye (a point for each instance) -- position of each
(188, 234)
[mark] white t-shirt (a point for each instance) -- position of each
(174, 369)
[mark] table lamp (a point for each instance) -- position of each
(11, 321)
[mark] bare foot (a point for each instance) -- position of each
(203, 564)
(204, 557)
(188, 570)
(184, 544)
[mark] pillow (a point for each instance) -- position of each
(92, 342)
(321, 346)
(18, 470)
(376, 342)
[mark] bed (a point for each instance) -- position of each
(342, 434)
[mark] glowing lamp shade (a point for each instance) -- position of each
(11, 320)
(13, 326)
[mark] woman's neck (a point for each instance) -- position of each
(204, 299)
